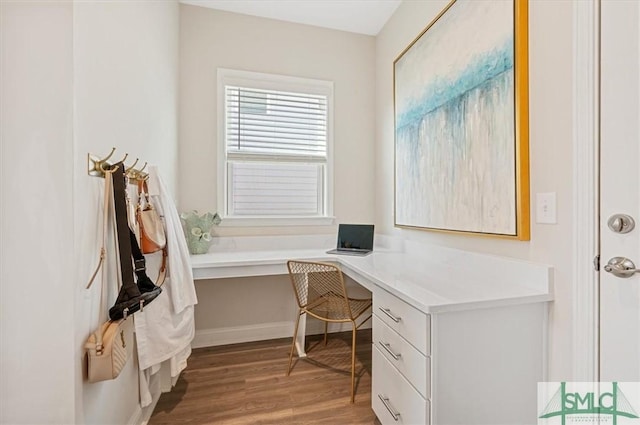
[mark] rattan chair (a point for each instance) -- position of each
(321, 293)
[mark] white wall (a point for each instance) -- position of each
(126, 94)
(77, 78)
(210, 39)
(115, 64)
(550, 92)
(37, 287)
(253, 309)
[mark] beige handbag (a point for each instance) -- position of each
(109, 347)
(152, 236)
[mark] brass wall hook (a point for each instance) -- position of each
(131, 172)
(126, 155)
(98, 167)
(113, 150)
(141, 174)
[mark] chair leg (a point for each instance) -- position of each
(326, 326)
(293, 343)
(353, 363)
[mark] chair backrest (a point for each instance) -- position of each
(314, 283)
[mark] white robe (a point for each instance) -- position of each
(165, 329)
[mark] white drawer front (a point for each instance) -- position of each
(410, 362)
(412, 324)
(393, 399)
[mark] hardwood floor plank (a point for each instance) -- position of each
(247, 384)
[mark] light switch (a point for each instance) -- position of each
(546, 208)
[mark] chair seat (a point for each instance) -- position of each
(320, 292)
(332, 308)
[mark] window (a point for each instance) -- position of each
(274, 150)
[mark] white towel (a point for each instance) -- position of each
(165, 329)
(184, 294)
(162, 334)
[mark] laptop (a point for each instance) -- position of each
(354, 239)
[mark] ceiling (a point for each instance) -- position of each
(359, 16)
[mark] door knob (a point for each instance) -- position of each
(621, 267)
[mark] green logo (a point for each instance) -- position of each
(565, 403)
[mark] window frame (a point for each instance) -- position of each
(282, 83)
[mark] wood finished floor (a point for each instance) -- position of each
(247, 384)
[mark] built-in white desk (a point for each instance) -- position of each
(459, 337)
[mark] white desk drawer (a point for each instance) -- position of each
(412, 324)
(393, 399)
(411, 363)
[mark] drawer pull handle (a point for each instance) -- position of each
(392, 411)
(389, 314)
(387, 348)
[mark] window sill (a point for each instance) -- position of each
(276, 221)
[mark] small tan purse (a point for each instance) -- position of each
(152, 236)
(109, 347)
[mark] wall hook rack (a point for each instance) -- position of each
(97, 166)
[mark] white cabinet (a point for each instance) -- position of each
(454, 367)
(406, 320)
(410, 362)
(400, 373)
(393, 398)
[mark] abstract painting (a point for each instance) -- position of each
(461, 127)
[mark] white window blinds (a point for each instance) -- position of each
(275, 189)
(276, 145)
(275, 123)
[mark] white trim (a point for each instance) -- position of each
(221, 154)
(137, 417)
(585, 188)
(261, 332)
(328, 181)
(238, 334)
(273, 82)
(276, 221)
(146, 412)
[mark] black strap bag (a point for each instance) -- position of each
(132, 297)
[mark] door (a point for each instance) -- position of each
(619, 297)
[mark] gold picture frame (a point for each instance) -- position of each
(461, 123)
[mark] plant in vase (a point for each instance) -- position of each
(197, 230)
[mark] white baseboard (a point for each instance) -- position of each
(238, 334)
(156, 389)
(137, 417)
(261, 332)
(146, 412)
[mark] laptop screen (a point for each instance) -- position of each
(355, 236)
